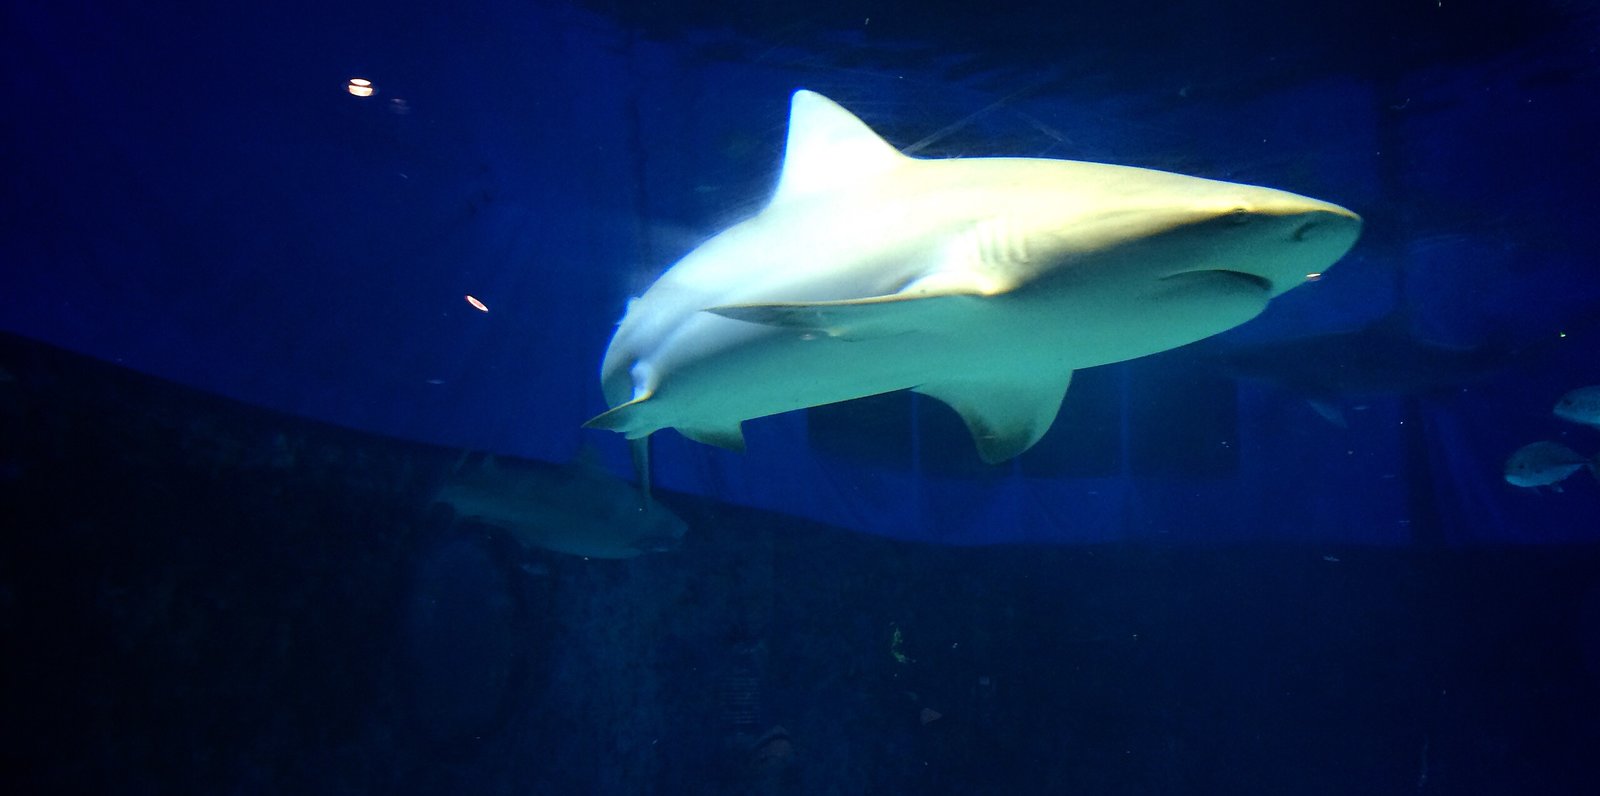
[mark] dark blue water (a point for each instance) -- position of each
(239, 360)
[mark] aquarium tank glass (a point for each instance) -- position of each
(708, 397)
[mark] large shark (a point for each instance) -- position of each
(981, 282)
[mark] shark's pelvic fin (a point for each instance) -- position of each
(829, 148)
(727, 438)
(1006, 416)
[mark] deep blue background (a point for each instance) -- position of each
(191, 192)
(204, 597)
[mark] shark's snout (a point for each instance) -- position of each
(1331, 225)
(1324, 235)
(1267, 248)
(1296, 239)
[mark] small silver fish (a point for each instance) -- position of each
(1581, 406)
(1546, 464)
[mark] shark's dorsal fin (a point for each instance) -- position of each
(828, 148)
(1005, 416)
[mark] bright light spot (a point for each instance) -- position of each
(360, 87)
(477, 305)
(1314, 276)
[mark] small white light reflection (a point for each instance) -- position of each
(1315, 276)
(360, 87)
(477, 305)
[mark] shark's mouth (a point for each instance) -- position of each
(1222, 278)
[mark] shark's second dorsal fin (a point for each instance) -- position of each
(828, 148)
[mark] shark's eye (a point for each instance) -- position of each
(1304, 230)
(1239, 215)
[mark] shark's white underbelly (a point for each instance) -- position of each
(768, 370)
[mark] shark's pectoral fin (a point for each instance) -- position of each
(727, 438)
(853, 319)
(1005, 416)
